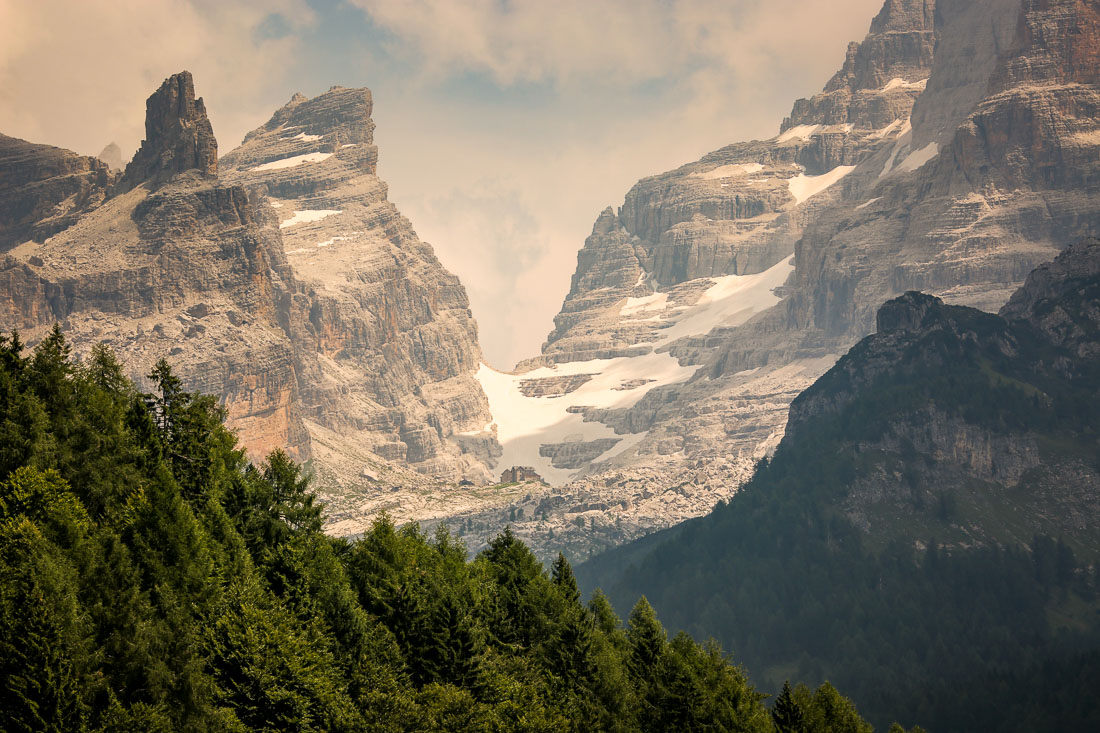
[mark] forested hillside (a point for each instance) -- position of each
(151, 579)
(927, 534)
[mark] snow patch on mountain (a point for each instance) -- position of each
(292, 161)
(524, 424)
(803, 187)
(919, 157)
(307, 217)
(731, 171)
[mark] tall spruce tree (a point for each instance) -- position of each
(787, 713)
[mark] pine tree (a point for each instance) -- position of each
(787, 714)
(291, 500)
(647, 640)
(562, 575)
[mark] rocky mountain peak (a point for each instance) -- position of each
(112, 156)
(341, 116)
(606, 223)
(892, 61)
(908, 312)
(904, 16)
(178, 135)
(1061, 299)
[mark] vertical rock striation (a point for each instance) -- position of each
(396, 341)
(178, 136)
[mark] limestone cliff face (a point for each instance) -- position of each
(173, 264)
(394, 342)
(1007, 175)
(352, 348)
(741, 209)
(44, 189)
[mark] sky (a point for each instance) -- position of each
(504, 126)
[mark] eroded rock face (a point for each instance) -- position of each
(178, 136)
(343, 341)
(44, 189)
(389, 331)
(997, 194)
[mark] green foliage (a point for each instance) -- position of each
(787, 712)
(152, 579)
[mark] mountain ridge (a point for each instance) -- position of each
(928, 520)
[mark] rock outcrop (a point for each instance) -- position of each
(344, 340)
(1062, 300)
(967, 403)
(178, 136)
(44, 189)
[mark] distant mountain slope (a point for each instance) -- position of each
(44, 189)
(930, 520)
(954, 151)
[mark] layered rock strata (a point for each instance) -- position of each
(44, 189)
(388, 331)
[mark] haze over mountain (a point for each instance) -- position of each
(954, 151)
(831, 396)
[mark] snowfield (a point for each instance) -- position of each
(307, 217)
(919, 157)
(523, 424)
(803, 187)
(731, 171)
(292, 161)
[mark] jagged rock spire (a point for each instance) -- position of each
(178, 135)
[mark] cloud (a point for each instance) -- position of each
(492, 236)
(636, 88)
(615, 41)
(76, 74)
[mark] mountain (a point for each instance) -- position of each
(278, 277)
(927, 528)
(44, 189)
(112, 156)
(954, 151)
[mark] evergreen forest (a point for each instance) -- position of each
(153, 579)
